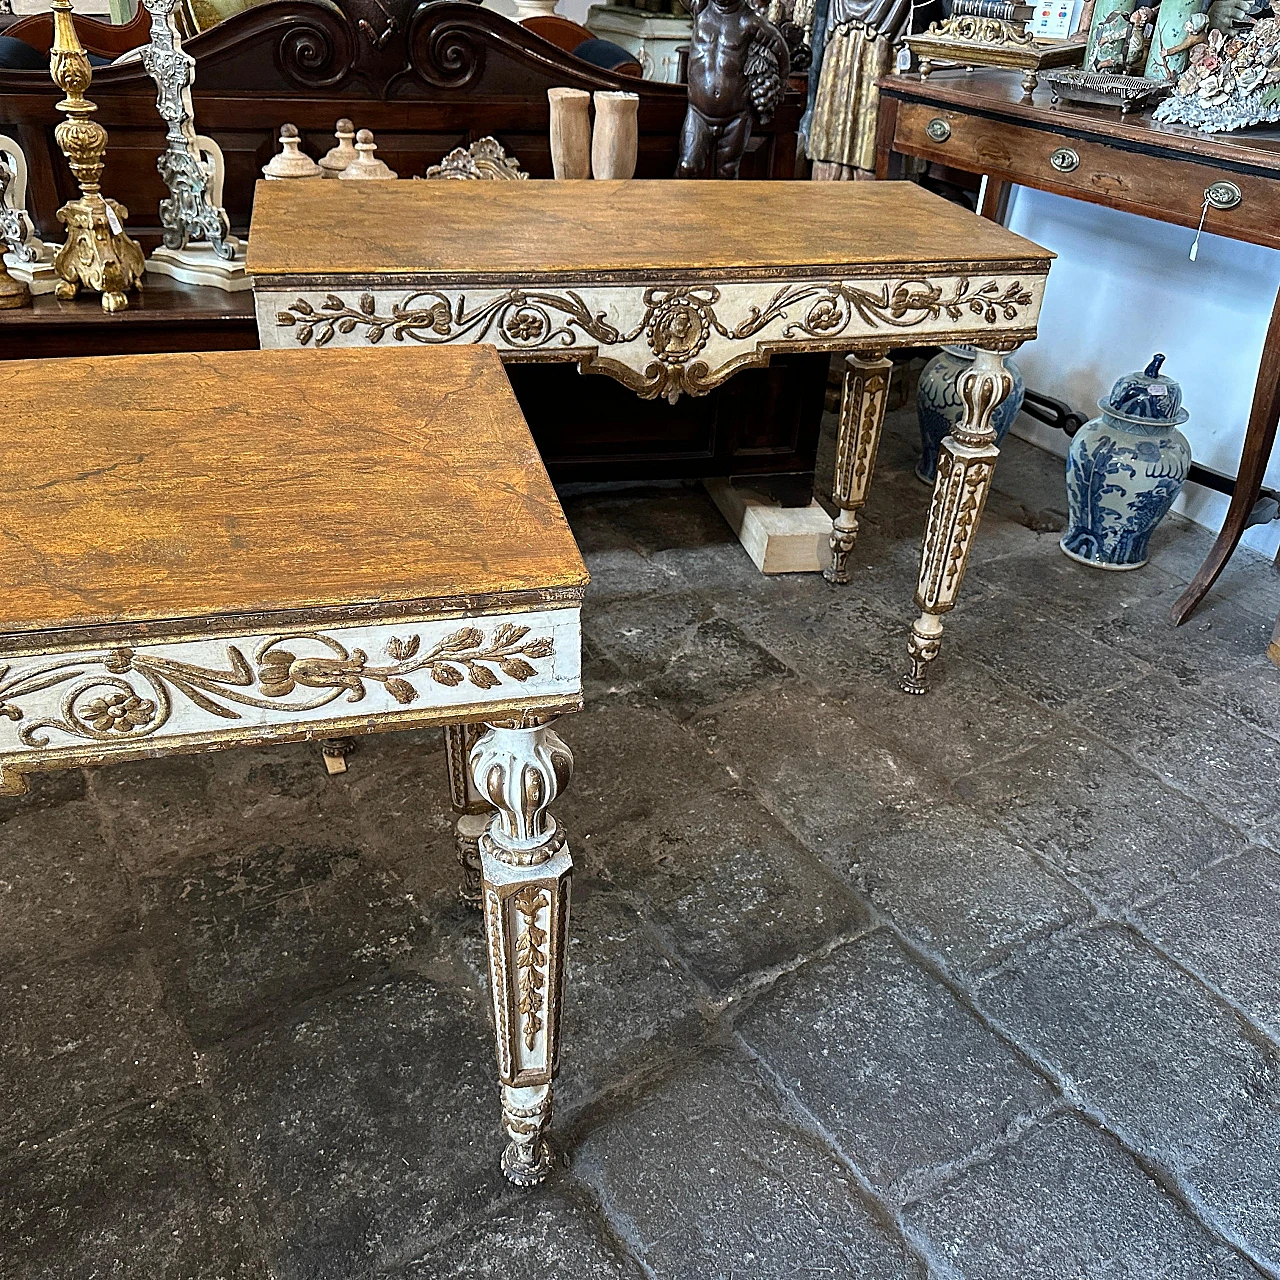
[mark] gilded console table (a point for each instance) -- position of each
(670, 287)
(253, 547)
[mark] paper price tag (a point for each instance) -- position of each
(113, 222)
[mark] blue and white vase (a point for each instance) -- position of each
(1124, 469)
(939, 409)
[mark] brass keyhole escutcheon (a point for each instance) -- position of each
(1064, 160)
(1223, 195)
(938, 129)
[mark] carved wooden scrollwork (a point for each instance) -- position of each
(317, 51)
(445, 51)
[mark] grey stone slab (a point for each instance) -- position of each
(1113, 828)
(147, 1192)
(1219, 637)
(901, 1074)
(1224, 927)
(555, 1231)
(628, 1007)
(829, 777)
(1250, 579)
(61, 888)
(1237, 1176)
(84, 1036)
(959, 887)
(1019, 642)
(707, 1179)
(1140, 1040)
(46, 791)
(1252, 694)
(1198, 746)
(1064, 1203)
(241, 937)
(155, 812)
(731, 888)
(365, 1125)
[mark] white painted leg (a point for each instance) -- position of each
(520, 767)
(470, 808)
(966, 461)
(862, 404)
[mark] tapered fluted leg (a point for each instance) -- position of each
(966, 461)
(470, 807)
(520, 767)
(866, 388)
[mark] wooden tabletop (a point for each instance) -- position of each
(576, 228)
(999, 94)
(143, 488)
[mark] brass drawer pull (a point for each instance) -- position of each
(1064, 160)
(938, 129)
(1223, 195)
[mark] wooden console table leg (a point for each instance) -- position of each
(862, 405)
(1259, 438)
(472, 813)
(966, 461)
(520, 767)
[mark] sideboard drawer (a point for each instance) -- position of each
(1172, 190)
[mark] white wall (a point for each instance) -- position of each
(1123, 288)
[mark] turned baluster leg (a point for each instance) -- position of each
(470, 807)
(520, 767)
(966, 461)
(862, 404)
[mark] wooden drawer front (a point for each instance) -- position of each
(1160, 187)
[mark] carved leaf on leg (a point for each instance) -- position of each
(531, 961)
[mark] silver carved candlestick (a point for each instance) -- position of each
(198, 245)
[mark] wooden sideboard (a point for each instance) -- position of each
(982, 123)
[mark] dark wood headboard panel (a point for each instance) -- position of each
(425, 79)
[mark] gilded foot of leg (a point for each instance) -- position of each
(844, 534)
(527, 1114)
(115, 301)
(334, 753)
(924, 644)
(66, 290)
(470, 827)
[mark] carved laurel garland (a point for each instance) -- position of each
(531, 960)
(676, 323)
(105, 701)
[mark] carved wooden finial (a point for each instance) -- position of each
(290, 161)
(336, 159)
(366, 166)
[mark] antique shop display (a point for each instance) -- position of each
(570, 132)
(24, 255)
(484, 159)
(614, 137)
(993, 33)
(291, 161)
(738, 68)
(98, 254)
(1232, 81)
(1180, 27)
(1228, 185)
(541, 272)
(198, 245)
(655, 40)
(366, 167)
(939, 407)
(143, 619)
(338, 157)
(1124, 470)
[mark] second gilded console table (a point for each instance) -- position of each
(670, 287)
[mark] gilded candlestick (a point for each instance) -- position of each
(98, 254)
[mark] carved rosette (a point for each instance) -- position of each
(659, 340)
(520, 766)
(862, 406)
(966, 463)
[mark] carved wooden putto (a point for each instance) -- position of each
(98, 255)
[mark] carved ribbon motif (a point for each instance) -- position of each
(104, 703)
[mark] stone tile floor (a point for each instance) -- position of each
(983, 985)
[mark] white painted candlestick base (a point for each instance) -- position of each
(533, 9)
(39, 277)
(778, 539)
(199, 264)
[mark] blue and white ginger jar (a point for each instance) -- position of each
(1124, 469)
(939, 409)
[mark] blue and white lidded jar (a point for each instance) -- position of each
(939, 409)
(1124, 470)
